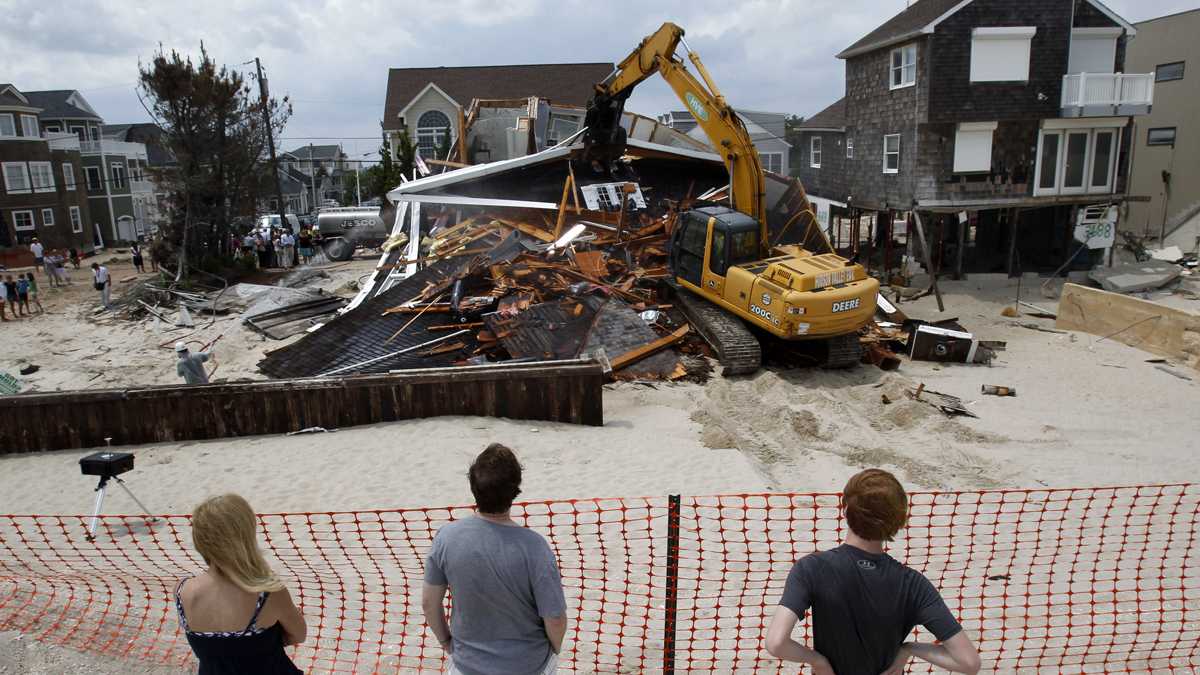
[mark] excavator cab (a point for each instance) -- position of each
(709, 241)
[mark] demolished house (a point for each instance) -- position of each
(535, 257)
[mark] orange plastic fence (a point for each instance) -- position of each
(1074, 580)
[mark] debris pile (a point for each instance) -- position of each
(502, 287)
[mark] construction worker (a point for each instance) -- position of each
(191, 366)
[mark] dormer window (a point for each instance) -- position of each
(904, 66)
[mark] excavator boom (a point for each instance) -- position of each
(656, 54)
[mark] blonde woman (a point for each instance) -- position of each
(237, 615)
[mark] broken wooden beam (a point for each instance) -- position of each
(635, 355)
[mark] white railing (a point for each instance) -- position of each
(1107, 89)
(141, 186)
(61, 141)
(136, 150)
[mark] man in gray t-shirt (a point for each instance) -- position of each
(191, 366)
(509, 613)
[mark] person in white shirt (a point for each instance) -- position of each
(288, 244)
(38, 252)
(102, 282)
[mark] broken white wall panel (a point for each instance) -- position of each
(1149, 326)
(932, 343)
(476, 201)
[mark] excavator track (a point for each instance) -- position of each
(737, 349)
(843, 351)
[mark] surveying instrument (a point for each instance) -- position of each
(108, 466)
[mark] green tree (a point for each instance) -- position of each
(382, 177)
(214, 127)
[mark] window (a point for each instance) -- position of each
(68, 176)
(744, 247)
(76, 220)
(772, 161)
(8, 127)
(973, 147)
(716, 256)
(53, 129)
(23, 220)
(432, 128)
(1075, 157)
(1048, 162)
(16, 178)
(48, 217)
(849, 148)
(43, 176)
(1169, 71)
(904, 67)
(29, 126)
(1000, 54)
(95, 180)
(1103, 148)
(814, 152)
(891, 153)
(119, 176)
(95, 133)
(1161, 136)
(80, 132)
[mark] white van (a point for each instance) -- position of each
(271, 222)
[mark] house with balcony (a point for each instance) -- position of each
(41, 185)
(114, 172)
(151, 199)
(995, 121)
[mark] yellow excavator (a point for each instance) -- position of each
(727, 272)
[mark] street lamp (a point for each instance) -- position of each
(357, 186)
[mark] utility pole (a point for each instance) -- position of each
(262, 92)
(312, 165)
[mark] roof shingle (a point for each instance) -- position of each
(562, 83)
(54, 105)
(905, 25)
(833, 117)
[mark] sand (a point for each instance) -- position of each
(1089, 412)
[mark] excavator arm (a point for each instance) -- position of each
(605, 138)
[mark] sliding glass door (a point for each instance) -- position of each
(1076, 161)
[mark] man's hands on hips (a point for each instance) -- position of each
(901, 660)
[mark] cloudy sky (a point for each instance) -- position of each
(332, 57)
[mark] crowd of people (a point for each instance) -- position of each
(277, 248)
(510, 614)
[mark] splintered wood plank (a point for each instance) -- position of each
(592, 263)
(635, 355)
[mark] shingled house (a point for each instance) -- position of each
(995, 120)
(428, 103)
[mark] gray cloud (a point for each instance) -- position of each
(332, 57)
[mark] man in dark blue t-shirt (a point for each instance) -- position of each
(864, 603)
